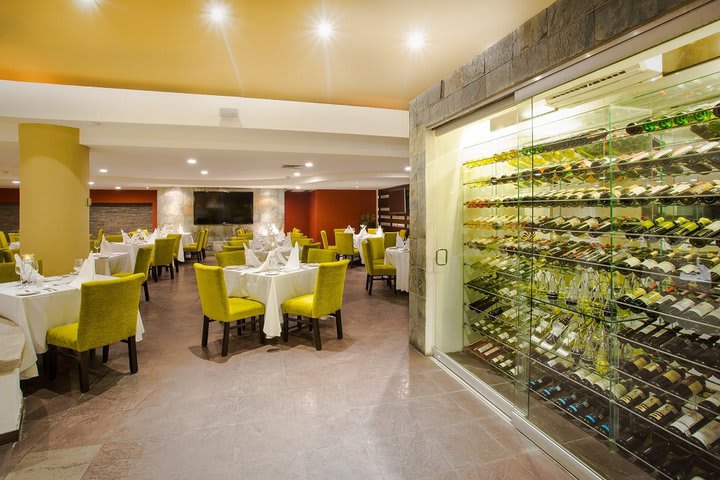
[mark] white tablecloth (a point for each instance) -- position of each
(185, 240)
(129, 248)
(38, 313)
(400, 259)
(14, 245)
(271, 290)
(107, 264)
(357, 243)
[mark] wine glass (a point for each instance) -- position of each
(18, 271)
(96, 246)
(77, 265)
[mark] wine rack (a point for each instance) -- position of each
(592, 277)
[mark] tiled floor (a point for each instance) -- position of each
(366, 407)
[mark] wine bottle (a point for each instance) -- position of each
(678, 467)
(706, 235)
(648, 405)
(651, 370)
(656, 453)
(633, 366)
(549, 392)
(633, 439)
(708, 435)
(540, 382)
(710, 406)
(633, 397)
(687, 424)
(665, 414)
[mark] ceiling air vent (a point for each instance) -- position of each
(293, 166)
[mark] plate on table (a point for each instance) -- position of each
(271, 274)
(26, 292)
(236, 267)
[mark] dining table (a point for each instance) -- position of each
(109, 263)
(400, 259)
(36, 310)
(271, 288)
(358, 239)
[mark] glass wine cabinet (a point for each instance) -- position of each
(591, 269)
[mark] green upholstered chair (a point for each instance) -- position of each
(372, 231)
(217, 306)
(114, 238)
(203, 247)
(319, 255)
(344, 244)
(327, 299)
(100, 234)
(233, 248)
(246, 235)
(108, 314)
(299, 240)
(3, 240)
(377, 246)
(402, 233)
(13, 237)
(163, 257)
(142, 265)
(390, 239)
(326, 244)
(295, 231)
(306, 248)
(240, 231)
(238, 243)
(6, 255)
(196, 247)
(177, 237)
(225, 259)
(7, 272)
(377, 271)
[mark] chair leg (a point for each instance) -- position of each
(172, 272)
(239, 327)
(226, 338)
(177, 265)
(286, 326)
(206, 326)
(147, 292)
(395, 285)
(132, 354)
(316, 334)
(154, 272)
(84, 367)
(338, 324)
(372, 280)
(51, 357)
(263, 337)
(106, 353)
(253, 327)
(367, 281)
(92, 353)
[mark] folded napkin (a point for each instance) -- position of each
(293, 262)
(363, 232)
(263, 231)
(379, 232)
(287, 242)
(349, 229)
(125, 236)
(105, 246)
(280, 238)
(251, 259)
(271, 262)
(27, 272)
(87, 273)
(153, 236)
(399, 243)
(274, 229)
(180, 229)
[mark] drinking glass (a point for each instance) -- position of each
(77, 265)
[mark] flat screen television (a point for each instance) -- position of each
(213, 208)
(398, 201)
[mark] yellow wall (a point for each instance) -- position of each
(54, 215)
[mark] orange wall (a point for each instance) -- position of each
(127, 196)
(297, 211)
(9, 195)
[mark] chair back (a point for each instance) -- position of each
(225, 259)
(296, 231)
(402, 233)
(6, 255)
(390, 239)
(240, 231)
(376, 247)
(300, 241)
(366, 256)
(344, 243)
(306, 248)
(100, 234)
(143, 260)
(14, 237)
(108, 311)
(233, 248)
(3, 240)
(7, 272)
(114, 238)
(176, 246)
(329, 288)
(164, 251)
(239, 243)
(372, 231)
(213, 293)
(323, 236)
(318, 255)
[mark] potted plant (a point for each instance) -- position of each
(368, 219)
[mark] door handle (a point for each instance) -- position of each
(437, 256)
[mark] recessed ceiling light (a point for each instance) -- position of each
(407, 169)
(203, 172)
(309, 164)
(118, 187)
(91, 183)
(191, 161)
(147, 188)
(103, 170)
(416, 41)
(296, 174)
(297, 187)
(16, 182)
(218, 13)
(324, 29)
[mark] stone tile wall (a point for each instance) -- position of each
(9, 217)
(558, 34)
(114, 217)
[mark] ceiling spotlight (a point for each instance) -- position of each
(118, 187)
(296, 174)
(191, 161)
(407, 169)
(416, 41)
(297, 187)
(91, 183)
(218, 13)
(203, 172)
(103, 170)
(16, 182)
(309, 164)
(324, 29)
(147, 188)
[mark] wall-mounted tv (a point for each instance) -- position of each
(213, 208)
(397, 201)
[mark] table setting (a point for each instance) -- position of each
(364, 235)
(399, 257)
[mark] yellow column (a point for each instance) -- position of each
(54, 213)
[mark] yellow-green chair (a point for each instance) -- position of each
(376, 271)
(233, 248)
(217, 306)
(345, 248)
(142, 265)
(226, 259)
(247, 235)
(204, 245)
(108, 314)
(306, 248)
(336, 231)
(319, 255)
(177, 237)
(390, 239)
(238, 243)
(372, 231)
(327, 299)
(300, 241)
(7, 272)
(114, 238)
(6, 255)
(3, 240)
(402, 233)
(163, 257)
(326, 244)
(377, 247)
(240, 231)
(295, 231)
(100, 234)
(14, 237)
(196, 247)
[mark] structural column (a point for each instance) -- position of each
(54, 197)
